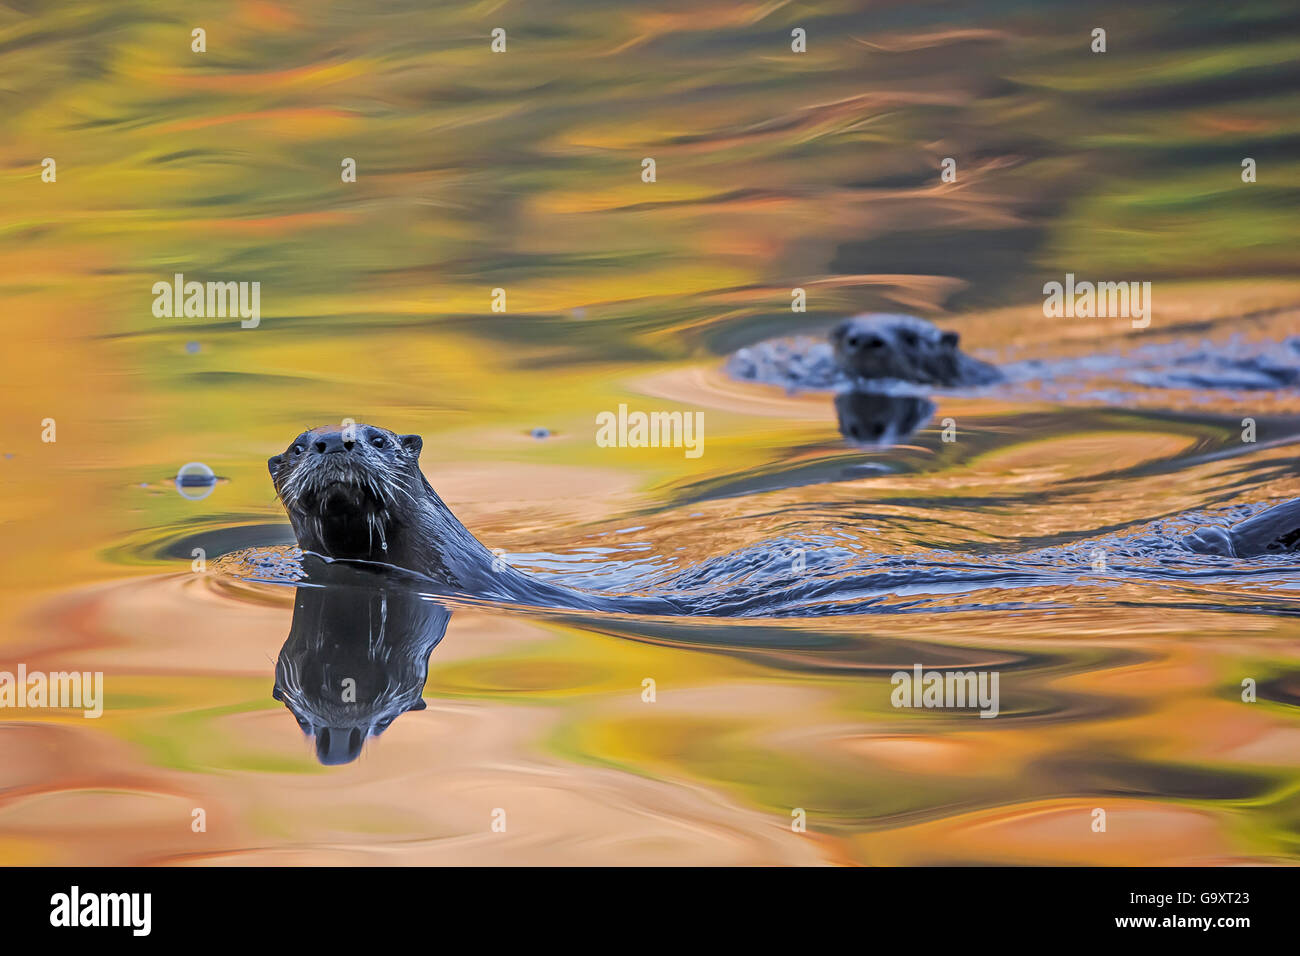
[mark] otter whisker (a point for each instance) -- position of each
(401, 486)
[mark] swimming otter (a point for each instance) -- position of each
(862, 349)
(906, 348)
(1269, 532)
(356, 493)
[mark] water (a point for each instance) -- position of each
(818, 567)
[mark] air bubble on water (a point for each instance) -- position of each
(192, 347)
(195, 481)
(540, 433)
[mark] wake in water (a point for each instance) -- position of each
(837, 573)
(803, 364)
(356, 497)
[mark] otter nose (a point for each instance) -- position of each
(866, 342)
(329, 444)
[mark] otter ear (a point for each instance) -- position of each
(949, 338)
(273, 463)
(412, 443)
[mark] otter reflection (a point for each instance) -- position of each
(355, 658)
(874, 418)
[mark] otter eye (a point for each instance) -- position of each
(379, 441)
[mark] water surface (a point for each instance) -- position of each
(1120, 681)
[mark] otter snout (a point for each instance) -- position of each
(333, 442)
(854, 343)
(862, 351)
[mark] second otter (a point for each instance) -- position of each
(906, 348)
(864, 349)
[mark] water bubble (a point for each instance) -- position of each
(195, 481)
(192, 347)
(540, 433)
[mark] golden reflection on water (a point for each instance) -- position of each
(523, 172)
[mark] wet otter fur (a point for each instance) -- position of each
(1274, 531)
(356, 493)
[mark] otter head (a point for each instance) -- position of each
(344, 487)
(894, 346)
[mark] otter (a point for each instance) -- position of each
(1276, 530)
(906, 348)
(356, 493)
(864, 349)
(356, 658)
